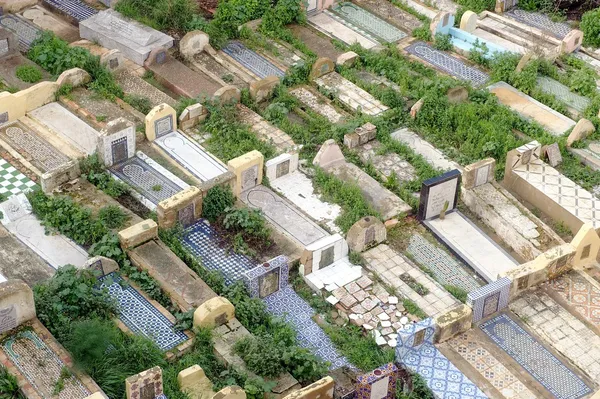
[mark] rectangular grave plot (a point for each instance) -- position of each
(25, 31)
(119, 150)
(73, 8)
(256, 63)
(447, 63)
(540, 21)
(369, 22)
(149, 182)
(41, 366)
(140, 316)
(438, 194)
(535, 358)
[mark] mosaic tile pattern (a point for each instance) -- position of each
(468, 346)
(535, 358)
(489, 299)
(140, 316)
(446, 269)
(562, 190)
(256, 63)
(367, 383)
(145, 179)
(447, 63)
(350, 94)
(25, 31)
(73, 8)
(37, 150)
(540, 21)
(563, 93)
(581, 293)
(288, 305)
(203, 242)
(417, 352)
(253, 279)
(133, 84)
(41, 366)
(369, 22)
(12, 181)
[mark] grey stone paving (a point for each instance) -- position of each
(446, 269)
(369, 22)
(447, 63)
(251, 60)
(386, 164)
(540, 21)
(563, 93)
(555, 325)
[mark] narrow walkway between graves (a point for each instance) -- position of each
(394, 15)
(135, 85)
(526, 350)
(140, 316)
(254, 62)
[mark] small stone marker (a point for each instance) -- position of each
(214, 312)
(582, 129)
(16, 304)
(329, 154)
(145, 385)
(479, 173)
(554, 155)
(367, 232)
(378, 384)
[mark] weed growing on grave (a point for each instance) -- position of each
(414, 284)
(420, 389)
(422, 33)
(160, 14)
(9, 386)
(113, 216)
(64, 91)
(457, 292)
(93, 170)
(218, 198)
(443, 42)
(590, 25)
(140, 103)
(28, 73)
(101, 118)
(356, 258)
(249, 222)
(413, 308)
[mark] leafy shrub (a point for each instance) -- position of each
(285, 12)
(92, 169)
(112, 216)
(443, 42)
(583, 81)
(28, 73)
(422, 33)
(479, 53)
(477, 6)
(248, 221)
(217, 200)
(71, 295)
(140, 103)
(275, 112)
(9, 386)
(590, 25)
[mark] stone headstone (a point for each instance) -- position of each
(160, 120)
(437, 192)
(441, 23)
(582, 129)
(102, 265)
(116, 143)
(378, 384)
(193, 43)
(214, 312)
(321, 67)
(351, 140)
(322, 253)
(227, 95)
(16, 304)
(9, 43)
(348, 58)
(366, 133)
(479, 173)
(366, 233)
(145, 385)
(414, 110)
(457, 95)
(468, 22)
(554, 155)
(572, 42)
(281, 165)
(268, 278)
(489, 299)
(524, 61)
(157, 56)
(329, 154)
(261, 90)
(113, 31)
(113, 60)
(248, 171)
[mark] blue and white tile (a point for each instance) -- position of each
(256, 63)
(73, 8)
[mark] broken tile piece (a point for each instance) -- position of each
(404, 320)
(392, 343)
(340, 293)
(386, 323)
(377, 311)
(352, 287)
(393, 300)
(332, 300)
(386, 331)
(360, 295)
(364, 282)
(331, 287)
(358, 309)
(348, 301)
(367, 326)
(380, 341)
(396, 326)
(368, 304)
(383, 316)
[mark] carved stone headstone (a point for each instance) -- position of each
(268, 278)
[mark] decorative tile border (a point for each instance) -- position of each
(255, 279)
(489, 299)
(73, 8)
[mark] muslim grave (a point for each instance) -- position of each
(540, 21)
(326, 23)
(431, 154)
(75, 9)
(355, 16)
(255, 63)
(46, 20)
(25, 31)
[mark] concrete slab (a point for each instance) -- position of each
(46, 20)
(471, 245)
(531, 109)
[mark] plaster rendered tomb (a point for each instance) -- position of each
(547, 189)
(133, 39)
(57, 250)
(440, 195)
(161, 129)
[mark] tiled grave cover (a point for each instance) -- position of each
(581, 293)
(152, 184)
(140, 316)
(535, 358)
(369, 22)
(352, 26)
(34, 148)
(261, 278)
(562, 190)
(256, 63)
(563, 93)
(203, 242)
(447, 63)
(489, 299)
(416, 351)
(41, 366)
(288, 305)
(540, 21)
(283, 215)
(350, 94)
(12, 181)
(447, 269)
(332, 25)
(25, 31)
(74, 8)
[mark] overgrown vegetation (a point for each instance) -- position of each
(590, 26)
(160, 14)
(140, 103)
(217, 200)
(93, 170)
(9, 386)
(28, 73)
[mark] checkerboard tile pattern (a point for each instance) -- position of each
(140, 316)
(202, 241)
(535, 358)
(289, 306)
(41, 366)
(467, 346)
(12, 181)
(416, 351)
(581, 293)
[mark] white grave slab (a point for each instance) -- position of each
(472, 245)
(62, 122)
(191, 156)
(431, 154)
(133, 39)
(57, 250)
(336, 275)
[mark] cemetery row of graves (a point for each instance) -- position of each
(366, 199)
